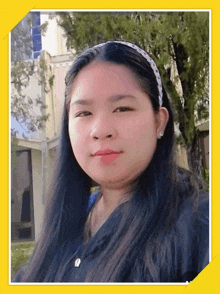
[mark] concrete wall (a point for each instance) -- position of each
(60, 64)
(20, 180)
(40, 198)
(48, 98)
(53, 40)
(22, 218)
(37, 191)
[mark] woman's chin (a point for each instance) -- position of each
(114, 182)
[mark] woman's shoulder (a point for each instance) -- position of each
(195, 207)
(192, 231)
(193, 217)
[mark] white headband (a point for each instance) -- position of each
(151, 62)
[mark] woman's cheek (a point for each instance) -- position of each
(79, 146)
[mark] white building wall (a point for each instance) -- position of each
(60, 71)
(40, 196)
(37, 191)
(53, 41)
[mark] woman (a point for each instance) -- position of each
(148, 222)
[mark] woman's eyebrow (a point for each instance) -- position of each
(82, 102)
(116, 98)
(113, 98)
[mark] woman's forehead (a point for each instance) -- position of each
(104, 78)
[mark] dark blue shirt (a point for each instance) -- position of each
(190, 231)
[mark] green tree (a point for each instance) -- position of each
(179, 43)
(23, 68)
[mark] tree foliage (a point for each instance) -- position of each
(179, 43)
(23, 69)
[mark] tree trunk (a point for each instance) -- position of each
(194, 157)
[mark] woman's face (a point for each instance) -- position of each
(112, 125)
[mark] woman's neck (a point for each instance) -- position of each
(112, 198)
(105, 205)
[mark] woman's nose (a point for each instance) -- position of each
(103, 129)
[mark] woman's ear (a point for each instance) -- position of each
(162, 119)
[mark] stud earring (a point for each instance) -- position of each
(160, 135)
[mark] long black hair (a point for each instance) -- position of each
(145, 221)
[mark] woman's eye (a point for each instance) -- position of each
(83, 113)
(122, 109)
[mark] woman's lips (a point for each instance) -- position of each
(107, 155)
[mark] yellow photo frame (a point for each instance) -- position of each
(208, 280)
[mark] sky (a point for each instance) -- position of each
(21, 129)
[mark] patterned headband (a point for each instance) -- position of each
(149, 59)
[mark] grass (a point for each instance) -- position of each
(20, 253)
